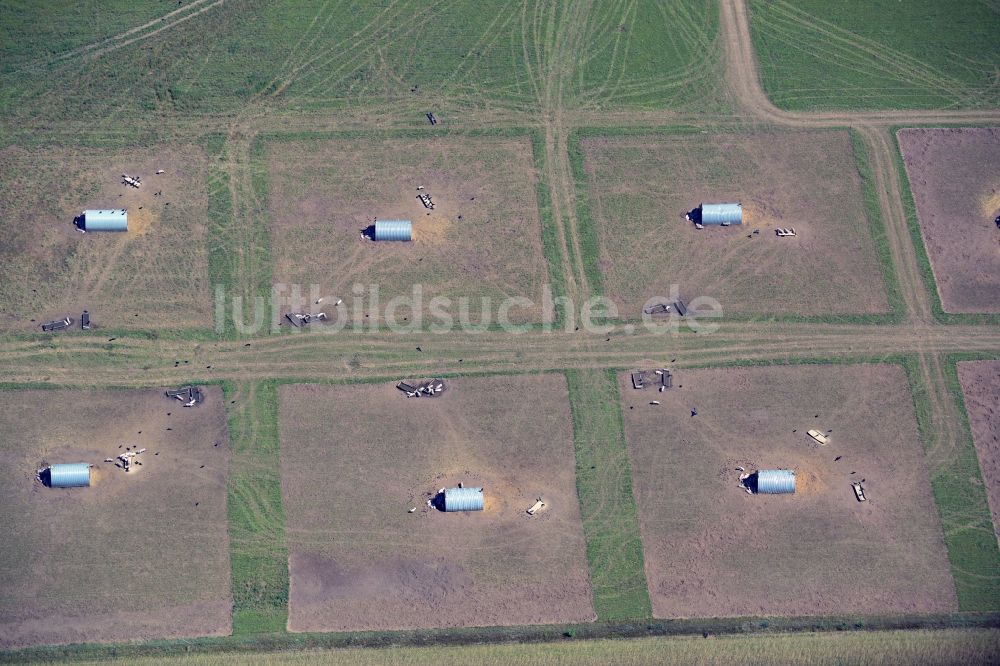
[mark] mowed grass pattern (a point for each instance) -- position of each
(256, 516)
(209, 56)
(607, 505)
(878, 54)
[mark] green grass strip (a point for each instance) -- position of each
(258, 551)
(607, 505)
(894, 295)
(961, 500)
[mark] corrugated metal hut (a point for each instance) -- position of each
(463, 499)
(105, 220)
(69, 475)
(393, 230)
(775, 481)
(722, 213)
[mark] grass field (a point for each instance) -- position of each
(714, 550)
(640, 188)
(604, 484)
(863, 54)
(210, 56)
(133, 557)
(356, 458)
(912, 648)
(980, 382)
(482, 241)
(154, 275)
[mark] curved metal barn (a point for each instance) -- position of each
(105, 220)
(69, 475)
(775, 481)
(393, 230)
(722, 213)
(463, 499)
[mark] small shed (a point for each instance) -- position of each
(775, 481)
(722, 213)
(105, 220)
(393, 230)
(69, 475)
(463, 499)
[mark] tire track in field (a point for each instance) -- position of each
(119, 41)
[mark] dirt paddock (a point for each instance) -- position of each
(981, 389)
(356, 458)
(482, 240)
(956, 187)
(131, 557)
(713, 550)
(156, 274)
(640, 189)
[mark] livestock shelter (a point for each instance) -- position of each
(775, 481)
(68, 475)
(463, 499)
(723, 214)
(393, 230)
(105, 220)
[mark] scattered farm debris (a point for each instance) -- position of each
(432, 119)
(539, 505)
(132, 181)
(859, 491)
(432, 388)
(298, 320)
(189, 396)
(57, 324)
(781, 232)
(159, 171)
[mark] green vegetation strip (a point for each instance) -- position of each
(968, 646)
(607, 505)
(894, 295)
(258, 551)
(961, 499)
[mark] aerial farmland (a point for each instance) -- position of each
(513, 332)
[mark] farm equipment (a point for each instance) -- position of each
(657, 308)
(432, 388)
(426, 200)
(784, 233)
(539, 505)
(57, 324)
(819, 437)
(132, 181)
(127, 459)
(189, 396)
(637, 382)
(85, 321)
(432, 119)
(859, 491)
(298, 320)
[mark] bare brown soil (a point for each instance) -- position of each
(641, 188)
(154, 275)
(483, 238)
(131, 557)
(713, 550)
(981, 390)
(356, 458)
(956, 188)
